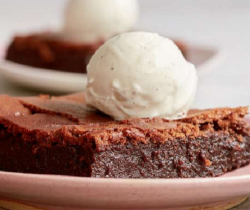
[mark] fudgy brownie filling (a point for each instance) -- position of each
(183, 158)
(25, 153)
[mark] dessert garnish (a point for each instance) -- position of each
(140, 75)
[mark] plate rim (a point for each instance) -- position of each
(127, 180)
(94, 193)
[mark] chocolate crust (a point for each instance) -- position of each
(62, 136)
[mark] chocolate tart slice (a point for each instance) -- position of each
(60, 135)
(50, 51)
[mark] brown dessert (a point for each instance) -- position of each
(60, 135)
(49, 52)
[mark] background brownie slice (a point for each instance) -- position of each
(44, 51)
(51, 52)
(62, 136)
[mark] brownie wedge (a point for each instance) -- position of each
(61, 135)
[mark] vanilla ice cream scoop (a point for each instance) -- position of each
(141, 74)
(90, 21)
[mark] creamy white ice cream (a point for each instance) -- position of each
(90, 21)
(141, 74)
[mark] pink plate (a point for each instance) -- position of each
(89, 193)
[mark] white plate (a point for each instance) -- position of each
(204, 58)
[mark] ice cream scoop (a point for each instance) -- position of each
(140, 74)
(90, 21)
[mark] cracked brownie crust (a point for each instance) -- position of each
(60, 135)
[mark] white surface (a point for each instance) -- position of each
(94, 193)
(222, 24)
(55, 82)
(141, 74)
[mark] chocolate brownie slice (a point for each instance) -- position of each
(60, 135)
(51, 52)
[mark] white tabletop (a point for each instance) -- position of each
(223, 24)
